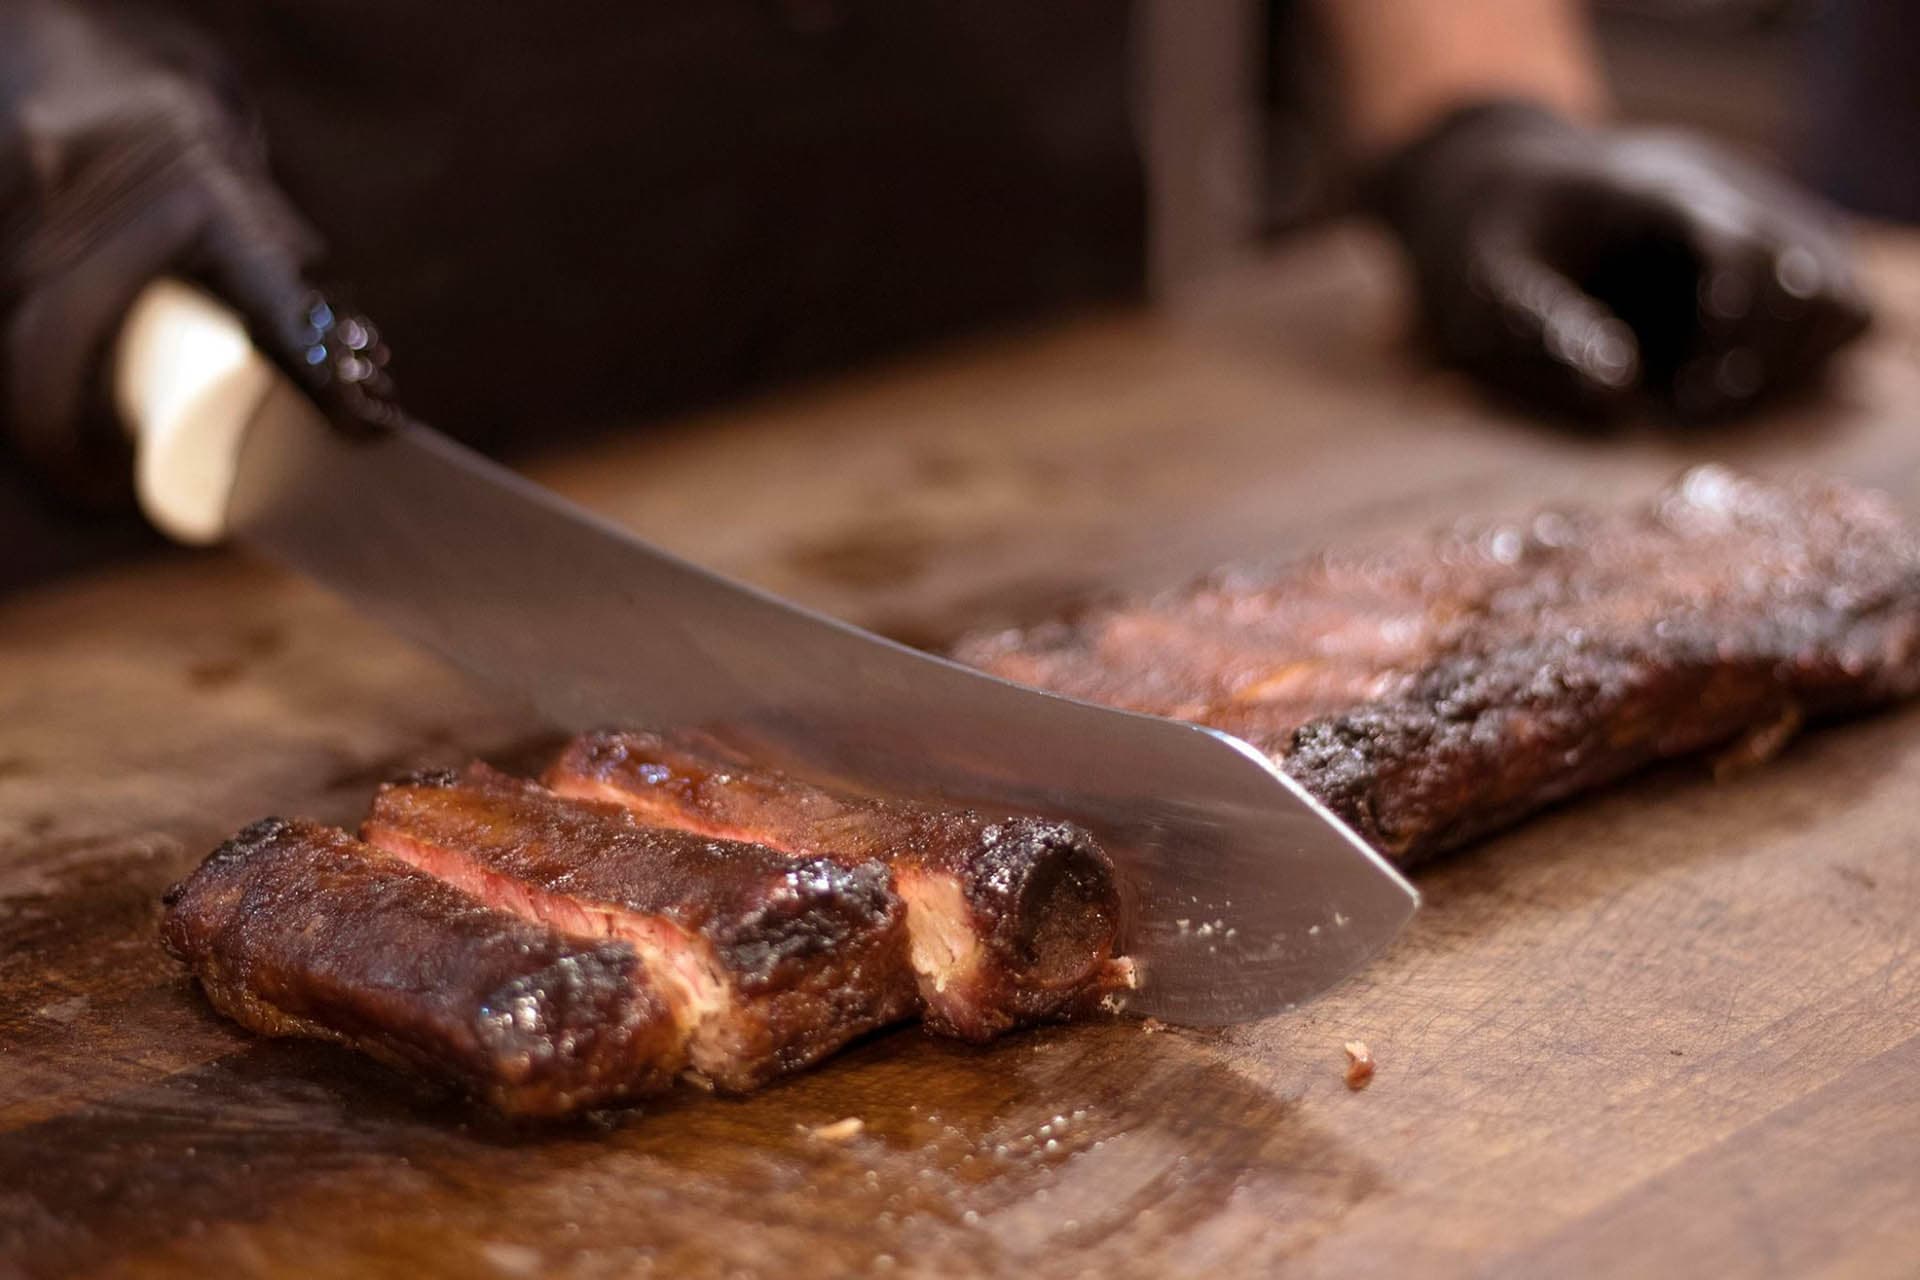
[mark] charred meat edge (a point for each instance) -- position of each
(1433, 690)
(296, 929)
(1011, 920)
(768, 964)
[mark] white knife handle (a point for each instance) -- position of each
(186, 379)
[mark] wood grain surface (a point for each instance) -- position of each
(1673, 1029)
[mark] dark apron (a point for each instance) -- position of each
(1863, 106)
(598, 210)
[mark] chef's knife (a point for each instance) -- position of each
(1245, 895)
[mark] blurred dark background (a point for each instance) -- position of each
(780, 189)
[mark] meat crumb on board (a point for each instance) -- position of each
(1359, 1065)
(839, 1131)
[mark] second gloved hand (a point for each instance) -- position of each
(1577, 267)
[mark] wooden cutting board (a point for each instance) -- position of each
(1672, 1029)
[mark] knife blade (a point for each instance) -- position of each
(1244, 895)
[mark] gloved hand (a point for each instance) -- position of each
(1577, 267)
(122, 159)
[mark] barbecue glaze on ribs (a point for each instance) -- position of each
(666, 906)
(767, 962)
(1011, 921)
(295, 929)
(1432, 691)
(549, 953)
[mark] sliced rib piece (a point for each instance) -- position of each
(1012, 920)
(768, 962)
(295, 929)
(1432, 691)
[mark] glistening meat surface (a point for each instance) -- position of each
(1011, 920)
(298, 929)
(678, 908)
(552, 952)
(769, 962)
(1437, 689)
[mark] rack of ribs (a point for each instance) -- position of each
(549, 952)
(662, 906)
(1010, 920)
(1435, 690)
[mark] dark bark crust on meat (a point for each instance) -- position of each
(1437, 690)
(550, 952)
(811, 952)
(1038, 898)
(298, 929)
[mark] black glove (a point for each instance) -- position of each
(122, 158)
(1577, 266)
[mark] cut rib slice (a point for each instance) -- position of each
(1011, 920)
(768, 962)
(296, 929)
